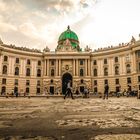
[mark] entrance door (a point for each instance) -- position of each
(51, 90)
(66, 77)
(82, 89)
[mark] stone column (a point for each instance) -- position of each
(56, 67)
(59, 67)
(91, 67)
(77, 67)
(44, 68)
(86, 67)
(73, 67)
(47, 67)
(134, 62)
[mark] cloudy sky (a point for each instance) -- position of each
(98, 23)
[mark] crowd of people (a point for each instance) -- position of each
(86, 92)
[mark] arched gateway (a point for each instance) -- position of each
(65, 78)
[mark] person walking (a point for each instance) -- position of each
(106, 89)
(69, 90)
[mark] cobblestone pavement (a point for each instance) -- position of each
(80, 119)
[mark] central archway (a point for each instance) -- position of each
(65, 78)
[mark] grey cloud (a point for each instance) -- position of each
(42, 14)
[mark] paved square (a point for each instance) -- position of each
(56, 118)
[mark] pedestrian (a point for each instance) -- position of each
(77, 91)
(128, 91)
(69, 90)
(106, 89)
(24, 94)
(86, 92)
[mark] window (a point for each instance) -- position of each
(28, 62)
(27, 90)
(95, 90)
(16, 81)
(38, 83)
(116, 59)
(17, 60)
(52, 62)
(38, 73)
(5, 58)
(95, 72)
(117, 81)
(95, 82)
(51, 81)
(52, 72)
(39, 63)
(16, 71)
(105, 71)
(139, 66)
(129, 80)
(4, 81)
(138, 78)
(105, 81)
(38, 90)
(28, 72)
(127, 58)
(138, 53)
(15, 89)
(128, 68)
(94, 62)
(116, 70)
(81, 62)
(81, 72)
(3, 90)
(27, 82)
(105, 61)
(82, 81)
(4, 71)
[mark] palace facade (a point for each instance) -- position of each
(36, 73)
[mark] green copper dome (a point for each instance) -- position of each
(70, 37)
(68, 34)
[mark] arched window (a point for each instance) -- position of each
(52, 72)
(3, 90)
(81, 72)
(4, 69)
(95, 72)
(38, 72)
(5, 58)
(28, 72)
(17, 71)
(116, 70)
(128, 68)
(105, 71)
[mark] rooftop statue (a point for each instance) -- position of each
(133, 40)
(46, 49)
(87, 49)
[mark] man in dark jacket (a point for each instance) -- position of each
(69, 90)
(106, 89)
